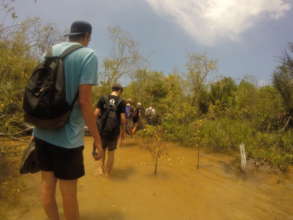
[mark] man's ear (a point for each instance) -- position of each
(88, 36)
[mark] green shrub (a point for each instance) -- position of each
(178, 123)
(275, 148)
(224, 134)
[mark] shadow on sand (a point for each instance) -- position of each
(122, 173)
(106, 215)
(129, 144)
(232, 168)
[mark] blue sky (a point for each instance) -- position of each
(246, 37)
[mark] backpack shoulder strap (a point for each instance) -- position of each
(49, 55)
(106, 104)
(107, 101)
(70, 50)
(62, 56)
(119, 102)
(49, 52)
(105, 112)
(74, 100)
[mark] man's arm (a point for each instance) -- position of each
(85, 94)
(97, 112)
(123, 125)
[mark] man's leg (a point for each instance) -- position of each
(101, 164)
(110, 162)
(129, 126)
(48, 192)
(134, 128)
(68, 190)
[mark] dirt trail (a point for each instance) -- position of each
(179, 192)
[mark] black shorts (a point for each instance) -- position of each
(65, 163)
(135, 120)
(109, 143)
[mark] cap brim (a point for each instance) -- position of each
(73, 34)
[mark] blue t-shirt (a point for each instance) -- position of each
(81, 67)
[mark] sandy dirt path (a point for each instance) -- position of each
(179, 192)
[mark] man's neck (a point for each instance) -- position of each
(114, 93)
(80, 42)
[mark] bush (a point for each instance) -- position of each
(21, 46)
(274, 148)
(224, 134)
(177, 124)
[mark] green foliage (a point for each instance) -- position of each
(15, 67)
(199, 68)
(222, 93)
(103, 89)
(224, 134)
(220, 115)
(226, 115)
(268, 110)
(275, 148)
(282, 80)
(149, 87)
(20, 49)
(178, 123)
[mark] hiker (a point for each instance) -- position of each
(137, 118)
(129, 115)
(111, 120)
(60, 150)
(150, 114)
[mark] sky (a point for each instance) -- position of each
(246, 37)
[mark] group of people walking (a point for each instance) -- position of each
(60, 148)
(134, 116)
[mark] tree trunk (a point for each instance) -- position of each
(197, 157)
(286, 125)
(156, 165)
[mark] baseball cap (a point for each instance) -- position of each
(79, 28)
(117, 87)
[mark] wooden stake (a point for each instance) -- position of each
(242, 156)
(197, 157)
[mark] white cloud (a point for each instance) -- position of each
(209, 21)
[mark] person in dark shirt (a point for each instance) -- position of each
(137, 118)
(129, 114)
(110, 113)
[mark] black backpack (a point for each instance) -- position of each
(109, 122)
(44, 101)
(30, 162)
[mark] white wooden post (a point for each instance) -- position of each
(242, 156)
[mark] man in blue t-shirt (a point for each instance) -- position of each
(60, 150)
